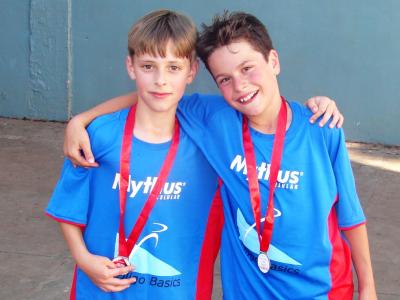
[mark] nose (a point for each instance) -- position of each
(239, 83)
(161, 78)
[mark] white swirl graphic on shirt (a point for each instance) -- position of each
(144, 261)
(248, 235)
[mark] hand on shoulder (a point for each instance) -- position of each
(77, 144)
(326, 107)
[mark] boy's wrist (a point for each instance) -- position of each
(82, 258)
(81, 119)
(366, 287)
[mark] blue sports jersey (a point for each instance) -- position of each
(175, 253)
(315, 198)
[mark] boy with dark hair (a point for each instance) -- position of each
(288, 192)
(151, 202)
(288, 189)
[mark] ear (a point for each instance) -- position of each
(129, 67)
(194, 67)
(273, 61)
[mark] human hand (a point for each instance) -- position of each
(321, 105)
(76, 141)
(102, 271)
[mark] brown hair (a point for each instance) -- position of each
(151, 34)
(231, 27)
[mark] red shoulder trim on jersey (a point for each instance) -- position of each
(210, 248)
(65, 221)
(72, 295)
(340, 266)
(352, 227)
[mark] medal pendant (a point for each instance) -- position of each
(121, 261)
(263, 262)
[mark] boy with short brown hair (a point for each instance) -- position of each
(150, 214)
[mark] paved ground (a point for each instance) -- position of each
(36, 265)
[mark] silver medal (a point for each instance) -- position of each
(121, 261)
(263, 262)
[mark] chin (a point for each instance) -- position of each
(249, 111)
(163, 108)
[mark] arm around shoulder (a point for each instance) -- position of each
(76, 139)
(327, 108)
(109, 106)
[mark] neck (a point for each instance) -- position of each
(152, 126)
(267, 121)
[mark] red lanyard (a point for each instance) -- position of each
(126, 246)
(254, 188)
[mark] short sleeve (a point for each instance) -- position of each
(195, 111)
(70, 199)
(348, 206)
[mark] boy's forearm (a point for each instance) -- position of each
(106, 107)
(358, 240)
(76, 244)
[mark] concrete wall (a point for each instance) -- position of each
(62, 56)
(33, 59)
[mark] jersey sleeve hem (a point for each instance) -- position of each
(349, 227)
(63, 219)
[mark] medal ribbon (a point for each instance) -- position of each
(254, 188)
(126, 246)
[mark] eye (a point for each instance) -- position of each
(174, 68)
(223, 81)
(247, 68)
(147, 67)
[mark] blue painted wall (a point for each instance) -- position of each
(33, 59)
(347, 50)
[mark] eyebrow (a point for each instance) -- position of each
(238, 66)
(175, 62)
(152, 61)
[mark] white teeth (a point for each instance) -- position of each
(247, 98)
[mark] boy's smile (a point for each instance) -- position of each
(247, 98)
(246, 80)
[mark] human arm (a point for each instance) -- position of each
(76, 137)
(321, 105)
(358, 240)
(350, 216)
(100, 269)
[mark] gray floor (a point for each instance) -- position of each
(35, 263)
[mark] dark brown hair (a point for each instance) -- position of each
(230, 27)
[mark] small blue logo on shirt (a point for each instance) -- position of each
(248, 236)
(144, 261)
